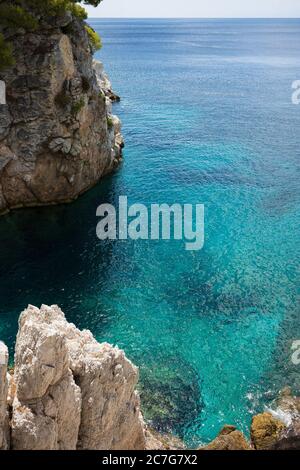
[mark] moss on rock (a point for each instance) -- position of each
(265, 431)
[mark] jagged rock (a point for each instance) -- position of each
(110, 409)
(265, 431)
(104, 82)
(72, 391)
(229, 438)
(54, 126)
(289, 439)
(161, 389)
(289, 404)
(47, 402)
(4, 426)
(114, 130)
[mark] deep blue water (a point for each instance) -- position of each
(207, 118)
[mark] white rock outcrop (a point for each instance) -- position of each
(70, 391)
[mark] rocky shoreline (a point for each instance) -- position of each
(58, 135)
(67, 391)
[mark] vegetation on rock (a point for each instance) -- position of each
(6, 55)
(28, 15)
(15, 16)
(77, 106)
(110, 123)
(94, 38)
(62, 99)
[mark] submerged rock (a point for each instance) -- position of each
(170, 394)
(71, 392)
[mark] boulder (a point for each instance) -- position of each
(229, 438)
(289, 439)
(288, 408)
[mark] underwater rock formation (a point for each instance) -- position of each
(170, 393)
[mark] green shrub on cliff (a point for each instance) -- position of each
(77, 106)
(14, 16)
(94, 38)
(57, 7)
(110, 123)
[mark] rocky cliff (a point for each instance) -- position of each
(67, 391)
(58, 136)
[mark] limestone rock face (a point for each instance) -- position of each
(71, 391)
(111, 416)
(4, 426)
(56, 138)
(228, 439)
(47, 403)
(265, 431)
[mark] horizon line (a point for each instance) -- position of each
(193, 18)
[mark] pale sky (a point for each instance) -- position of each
(196, 9)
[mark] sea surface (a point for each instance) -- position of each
(207, 118)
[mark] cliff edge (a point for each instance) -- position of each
(58, 136)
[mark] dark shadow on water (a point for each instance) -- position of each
(51, 255)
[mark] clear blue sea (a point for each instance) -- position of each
(207, 118)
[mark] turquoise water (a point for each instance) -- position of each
(207, 118)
